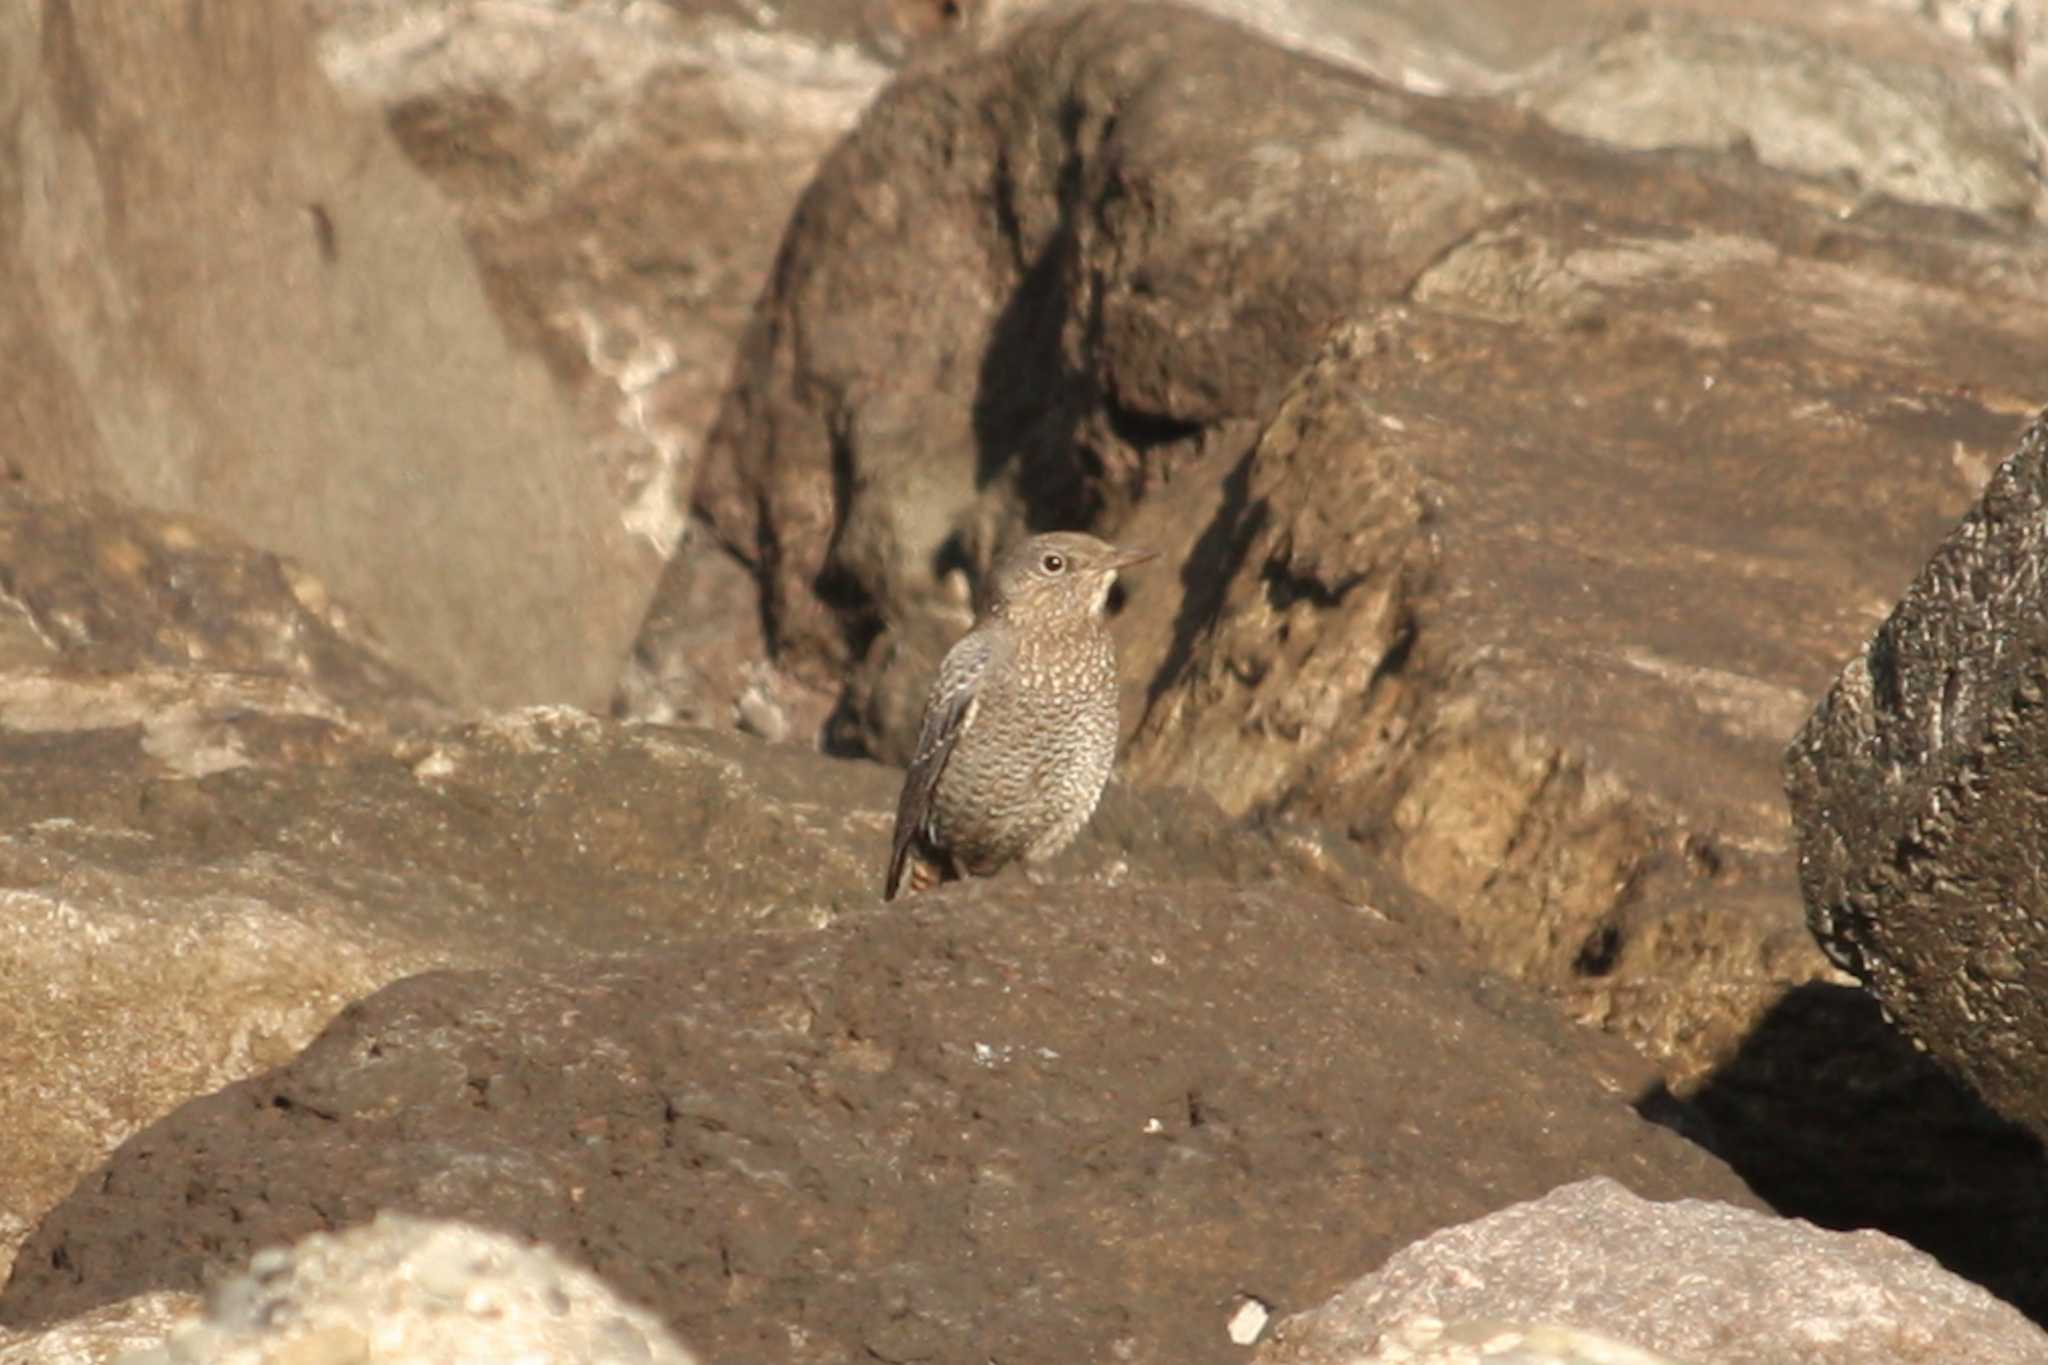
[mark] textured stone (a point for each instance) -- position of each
(109, 598)
(1917, 789)
(1484, 46)
(1703, 1283)
(618, 171)
(1430, 1340)
(1074, 349)
(1896, 128)
(1493, 655)
(164, 931)
(225, 816)
(1455, 588)
(103, 1336)
(406, 1291)
(974, 330)
(1032, 1124)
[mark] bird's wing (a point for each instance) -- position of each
(948, 711)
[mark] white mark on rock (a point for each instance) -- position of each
(1248, 1321)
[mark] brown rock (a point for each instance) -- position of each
(96, 589)
(948, 288)
(154, 651)
(1500, 659)
(1041, 1125)
(226, 815)
(182, 914)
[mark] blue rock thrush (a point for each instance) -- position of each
(1020, 729)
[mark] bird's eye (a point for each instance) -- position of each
(1053, 563)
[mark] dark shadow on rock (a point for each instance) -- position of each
(1028, 403)
(1206, 573)
(1832, 1116)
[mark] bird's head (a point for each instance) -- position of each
(1058, 576)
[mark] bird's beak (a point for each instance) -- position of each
(1125, 557)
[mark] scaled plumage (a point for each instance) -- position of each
(1020, 728)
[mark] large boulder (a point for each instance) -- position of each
(1044, 1124)
(622, 175)
(227, 815)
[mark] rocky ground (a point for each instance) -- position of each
(488, 484)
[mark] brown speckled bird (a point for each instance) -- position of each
(1020, 728)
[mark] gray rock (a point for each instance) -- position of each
(408, 1291)
(103, 1336)
(1916, 786)
(1894, 128)
(1429, 1340)
(1703, 1283)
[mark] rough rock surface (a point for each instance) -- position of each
(1898, 128)
(1917, 785)
(225, 816)
(231, 915)
(1041, 1124)
(1077, 306)
(1429, 1340)
(143, 653)
(919, 378)
(1705, 1283)
(1524, 491)
(1482, 46)
(1493, 657)
(103, 1336)
(93, 590)
(227, 812)
(407, 1291)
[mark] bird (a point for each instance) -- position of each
(1020, 727)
